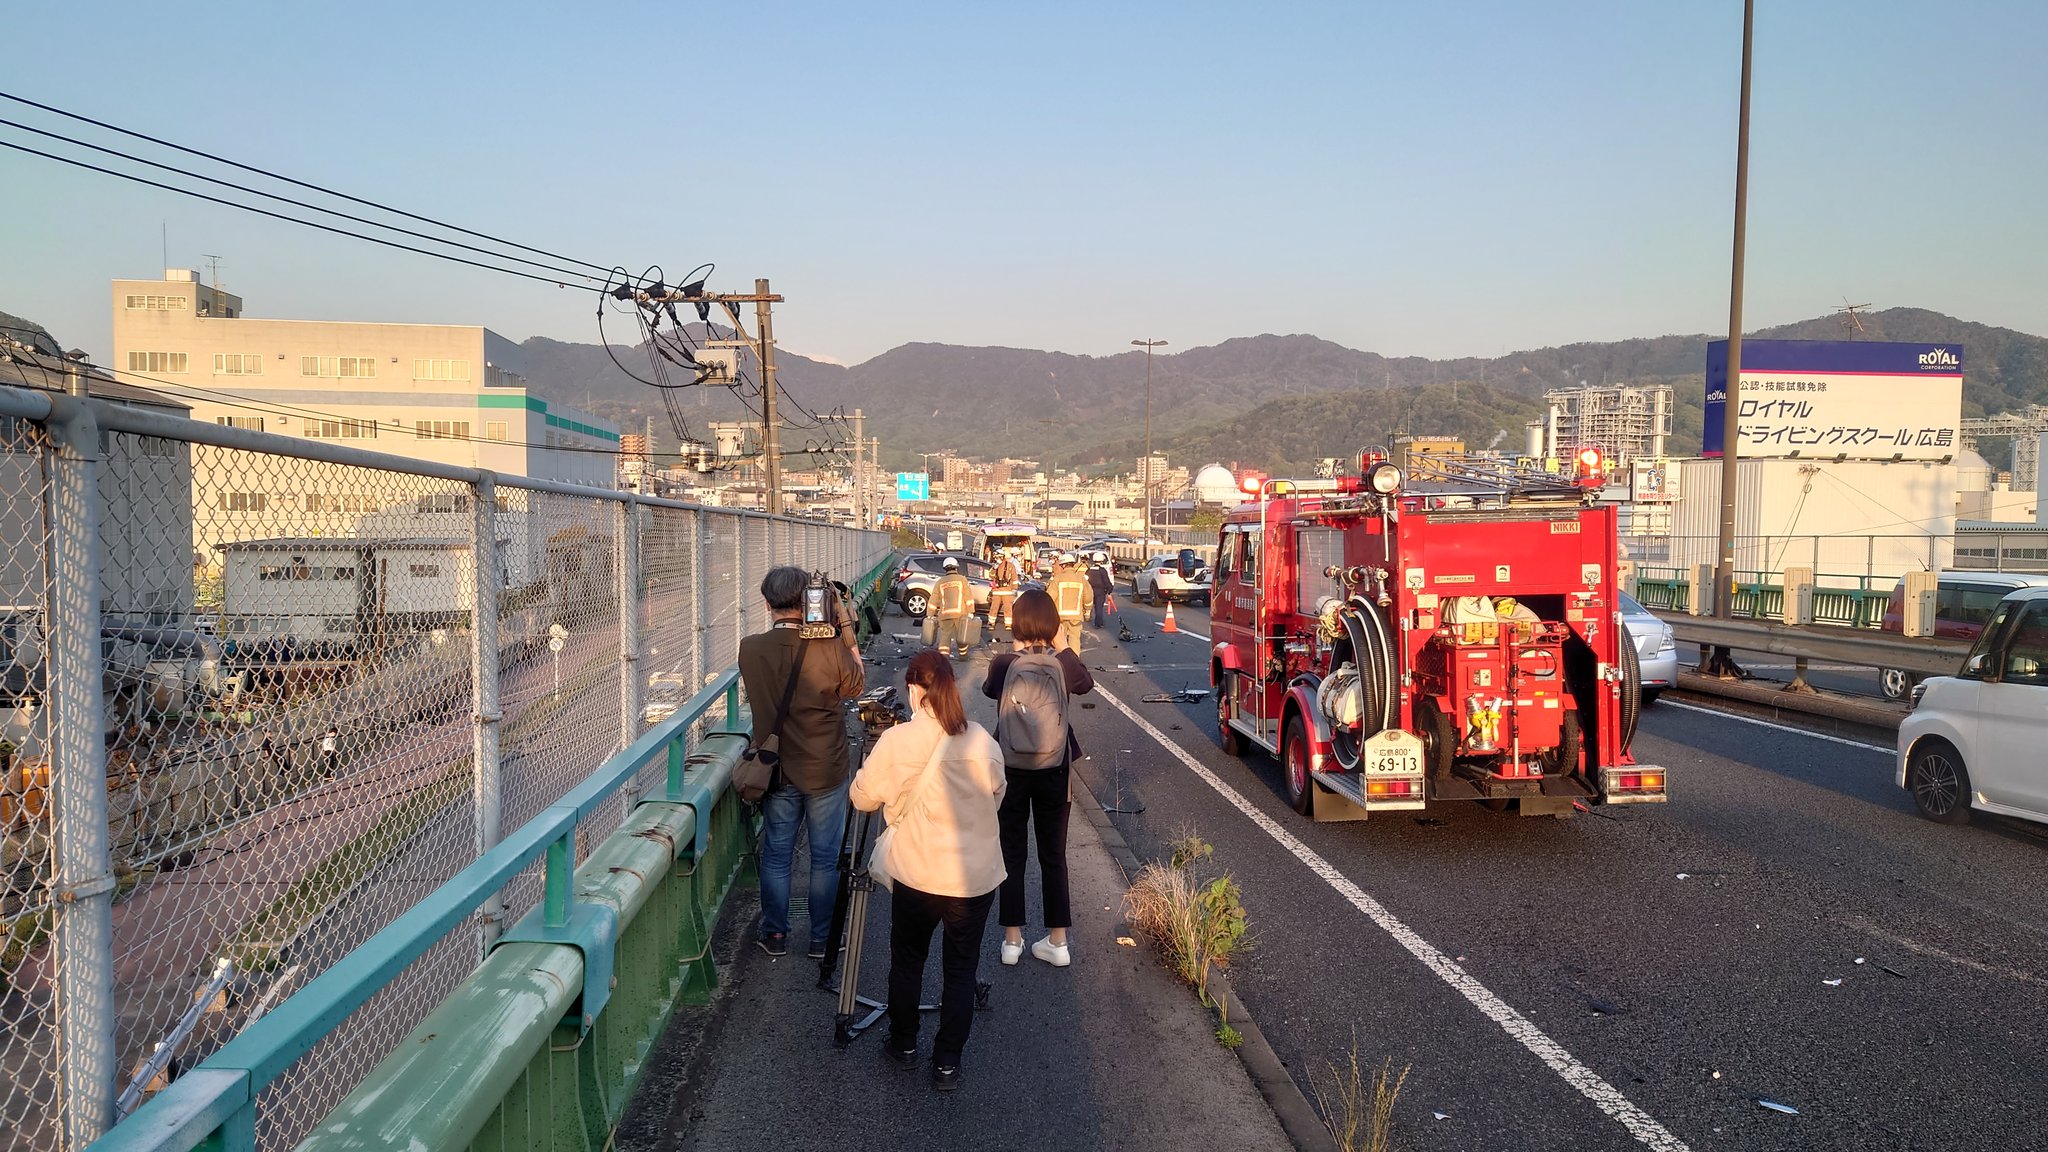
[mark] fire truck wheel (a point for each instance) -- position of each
(1228, 738)
(1439, 739)
(1294, 763)
(1569, 745)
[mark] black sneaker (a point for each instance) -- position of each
(817, 952)
(774, 944)
(945, 1077)
(904, 1058)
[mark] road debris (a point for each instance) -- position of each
(1835, 983)
(1685, 875)
(1717, 1073)
(1893, 971)
(1774, 1106)
(1440, 1115)
(1859, 959)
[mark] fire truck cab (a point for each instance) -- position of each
(1456, 635)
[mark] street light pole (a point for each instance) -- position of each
(1724, 572)
(1148, 346)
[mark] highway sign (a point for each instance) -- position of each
(913, 485)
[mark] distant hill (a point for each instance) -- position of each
(30, 333)
(1291, 433)
(1076, 409)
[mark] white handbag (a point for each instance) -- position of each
(878, 857)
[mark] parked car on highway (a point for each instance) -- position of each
(1973, 740)
(1963, 604)
(920, 571)
(1656, 651)
(1161, 579)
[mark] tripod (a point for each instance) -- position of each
(855, 1013)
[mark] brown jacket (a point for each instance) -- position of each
(814, 739)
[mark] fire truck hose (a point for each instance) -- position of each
(1373, 681)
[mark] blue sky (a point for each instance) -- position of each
(1410, 178)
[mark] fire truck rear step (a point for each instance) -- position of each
(1351, 786)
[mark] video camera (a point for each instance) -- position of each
(821, 607)
(880, 710)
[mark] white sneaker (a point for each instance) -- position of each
(1053, 954)
(1013, 951)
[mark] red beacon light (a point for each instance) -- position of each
(1252, 485)
(1591, 468)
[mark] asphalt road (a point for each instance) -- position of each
(1635, 976)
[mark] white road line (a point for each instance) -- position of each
(1604, 1096)
(1779, 727)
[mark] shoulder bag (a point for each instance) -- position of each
(878, 857)
(760, 767)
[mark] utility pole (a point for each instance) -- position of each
(1731, 403)
(771, 433)
(764, 348)
(1148, 346)
(860, 469)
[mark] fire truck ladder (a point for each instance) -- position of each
(1489, 476)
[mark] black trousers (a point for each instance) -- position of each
(1036, 796)
(912, 916)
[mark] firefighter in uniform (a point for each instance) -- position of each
(1070, 594)
(952, 608)
(1002, 591)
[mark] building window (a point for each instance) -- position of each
(496, 430)
(242, 501)
(424, 570)
(341, 429)
(350, 502)
(156, 361)
(159, 303)
(301, 571)
(440, 369)
(252, 423)
(237, 364)
(443, 502)
(349, 367)
(440, 429)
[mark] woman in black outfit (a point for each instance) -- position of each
(1037, 795)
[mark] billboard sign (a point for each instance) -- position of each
(1861, 400)
(913, 486)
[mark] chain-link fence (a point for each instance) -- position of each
(263, 694)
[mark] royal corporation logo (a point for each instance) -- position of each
(1939, 358)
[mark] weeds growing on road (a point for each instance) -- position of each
(1361, 1115)
(1197, 920)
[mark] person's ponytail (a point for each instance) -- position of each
(932, 671)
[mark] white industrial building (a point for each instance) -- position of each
(315, 589)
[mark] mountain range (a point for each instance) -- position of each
(1266, 400)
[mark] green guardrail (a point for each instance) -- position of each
(543, 1043)
(1860, 605)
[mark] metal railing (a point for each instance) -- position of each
(260, 694)
(1843, 601)
(579, 937)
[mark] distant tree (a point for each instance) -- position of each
(1205, 520)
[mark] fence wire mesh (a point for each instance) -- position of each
(28, 1026)
(291, 724)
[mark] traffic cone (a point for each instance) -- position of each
(1169, 626)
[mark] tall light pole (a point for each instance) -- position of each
(1148, 346)
(1724, 572)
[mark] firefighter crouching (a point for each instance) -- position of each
(1070, 592)
(1002, 590)
(946, 626)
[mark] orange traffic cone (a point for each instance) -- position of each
(1169, 626)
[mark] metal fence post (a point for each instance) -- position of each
(700, 593)
(627, 519)
(739, 578)
(82, 876)
(487, 785)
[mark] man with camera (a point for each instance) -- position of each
(797, 675)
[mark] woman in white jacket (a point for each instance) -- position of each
(939, 780)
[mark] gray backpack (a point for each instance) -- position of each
(1031, 717)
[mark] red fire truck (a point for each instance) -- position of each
(1455, 635)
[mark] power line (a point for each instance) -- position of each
(278, 215)
(299, 183)
(431, 239)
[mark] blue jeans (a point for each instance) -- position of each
(825, 814)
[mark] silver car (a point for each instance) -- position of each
(920, 572)
(1656, 649)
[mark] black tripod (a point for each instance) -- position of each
(850, 911)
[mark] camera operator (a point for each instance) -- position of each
(816, 665)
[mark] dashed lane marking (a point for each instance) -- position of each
(1604, 1096)
(1716, 712)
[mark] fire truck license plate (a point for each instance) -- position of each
(1394, 753)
